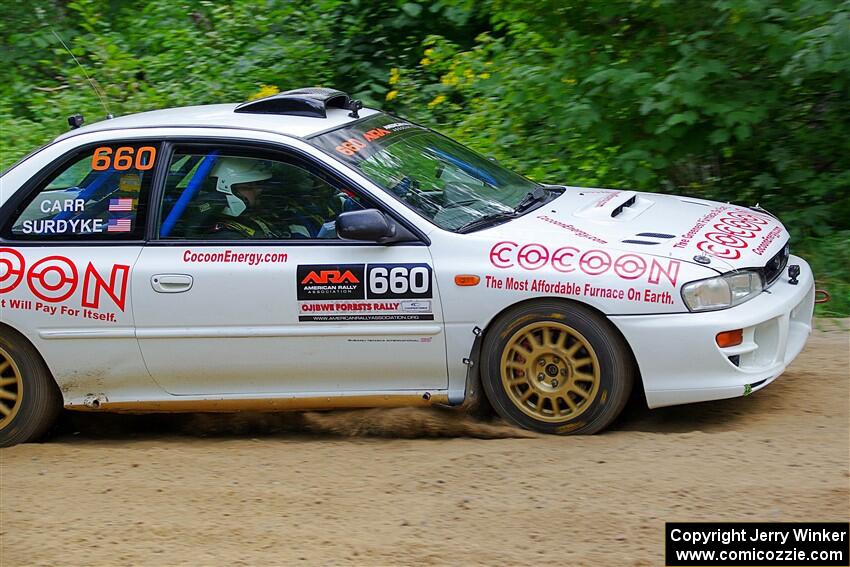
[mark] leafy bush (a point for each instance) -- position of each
(738, 100)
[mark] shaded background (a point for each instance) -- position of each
(740, 100)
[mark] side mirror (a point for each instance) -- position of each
(371, 225)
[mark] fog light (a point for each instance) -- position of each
(730, 338)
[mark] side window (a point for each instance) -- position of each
(99, 194)
(235, 195)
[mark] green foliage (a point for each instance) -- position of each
(738, 100)
(830, 259)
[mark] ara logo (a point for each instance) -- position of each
(330, 277)
(331, 281)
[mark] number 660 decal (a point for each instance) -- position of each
(124, 158)
(399, 281)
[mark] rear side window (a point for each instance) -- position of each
(99, 194)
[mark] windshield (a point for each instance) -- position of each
(443, 181)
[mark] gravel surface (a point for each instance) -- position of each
(432, 488)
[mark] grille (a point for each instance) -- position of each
(776, 265)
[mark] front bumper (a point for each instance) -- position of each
(681, 363)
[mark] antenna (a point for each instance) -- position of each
(91, 82)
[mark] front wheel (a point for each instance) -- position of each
(29, 398)
(556, 367)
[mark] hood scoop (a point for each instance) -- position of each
(647, 235)
(656, 235)
(616, 206)
(625, 204)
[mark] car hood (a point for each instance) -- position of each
(717, 235)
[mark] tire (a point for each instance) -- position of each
(30, 401)
(556, 367)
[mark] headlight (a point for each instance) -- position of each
(723, 291)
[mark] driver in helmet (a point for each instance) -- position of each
(242, 181)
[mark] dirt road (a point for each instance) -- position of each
(285, 491)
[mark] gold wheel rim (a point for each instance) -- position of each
(11, 388)
(550, 372)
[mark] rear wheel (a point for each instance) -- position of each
(556, 367)
(29, 398)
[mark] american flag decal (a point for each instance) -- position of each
(119, 225)
(120, 205)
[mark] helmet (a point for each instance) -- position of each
(232, 171)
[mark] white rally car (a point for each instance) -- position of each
(301, 251)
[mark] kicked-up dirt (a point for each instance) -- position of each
(427, 487)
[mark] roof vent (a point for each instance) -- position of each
(312, 102)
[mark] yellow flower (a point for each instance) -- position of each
(429, 52)
(391, 95)
(439, 99)
(425, 62)
(395, 75)
(484, 76)
(449, 80)
(265, 90)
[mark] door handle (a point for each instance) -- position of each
(171, 283)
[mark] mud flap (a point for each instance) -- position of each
(474, 401)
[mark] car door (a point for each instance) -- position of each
(65, 261)
(247, 290)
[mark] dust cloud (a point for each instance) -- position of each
(399, 423)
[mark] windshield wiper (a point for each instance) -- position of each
(492, 218)
(531, 198)
(538, 195)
